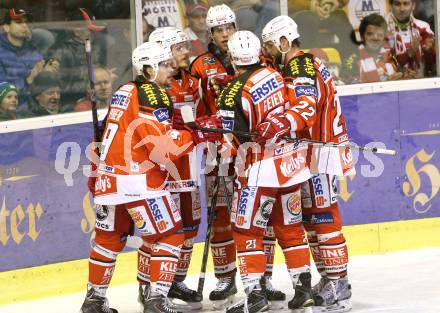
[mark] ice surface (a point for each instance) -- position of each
(403, 282)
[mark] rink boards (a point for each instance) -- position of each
(46, 212)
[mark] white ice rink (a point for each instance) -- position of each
(403, 282)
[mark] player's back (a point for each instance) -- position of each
(312, 94)
(247, 99)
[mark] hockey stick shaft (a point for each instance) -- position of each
(308, 141)
(211, 217)
(188, 119)
(90, 68)
(335, 145)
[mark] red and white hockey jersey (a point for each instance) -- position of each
(314, 106)
(138, 145)
(244, 104)
(184, 90)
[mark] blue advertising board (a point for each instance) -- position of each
(46, 211)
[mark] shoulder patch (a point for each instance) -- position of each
(227, 96)
(161, 115)
(127, 87)
(153, 96)
(209, 60)
(121, 99)
(300, 66)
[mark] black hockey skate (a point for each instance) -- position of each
(275, 297)
(334, 297)
(184, 299)
(142, 295)
(255, 301)
(303, 300)
(95, 304)
(224, 293)
(157, 303)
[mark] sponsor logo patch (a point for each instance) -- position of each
(161, 115)
(291, 205)
(115, 114)
(325, 74)
(308, 91)
(121, 99)
(228, 124)
(209, 60)
(319, 218)
(263, 88)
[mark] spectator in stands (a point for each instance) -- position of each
(373, 61)
(411, 40)
(147, 29)
(197, 31)
(44, 13)
(103, 91)
(45, 96)
(254, 14)
(327, 26)
(20, 62)
(332, 60)
(69, 50)
(8, 101)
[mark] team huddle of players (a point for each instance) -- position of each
(265, 188)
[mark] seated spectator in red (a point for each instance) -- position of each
(20, 61)
(197, 31)
(103, 91)
(373, 62)
(411, 40)
(8, 101)
(45, 96)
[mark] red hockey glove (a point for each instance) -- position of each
(207, 122)
(275, 127)
(92, 178)
(178, 120)
(220, 81)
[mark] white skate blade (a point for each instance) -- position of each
(182, 306)
(339, 307)
(219, 305)
(276, 305)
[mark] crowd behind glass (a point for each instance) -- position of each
(43, 68)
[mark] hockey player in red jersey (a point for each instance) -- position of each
(138, 146)
(315, 107)
(268, 183)
(183, 89)
(214, 68)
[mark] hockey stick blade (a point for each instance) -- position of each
(90, 26)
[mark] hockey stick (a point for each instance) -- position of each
(134, 242)
(188, 119)
(211, 217)
(88, 49)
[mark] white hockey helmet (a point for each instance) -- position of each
(278, 27)
(168, 36)
(244, 48)
(149, 53)
(220, 15)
